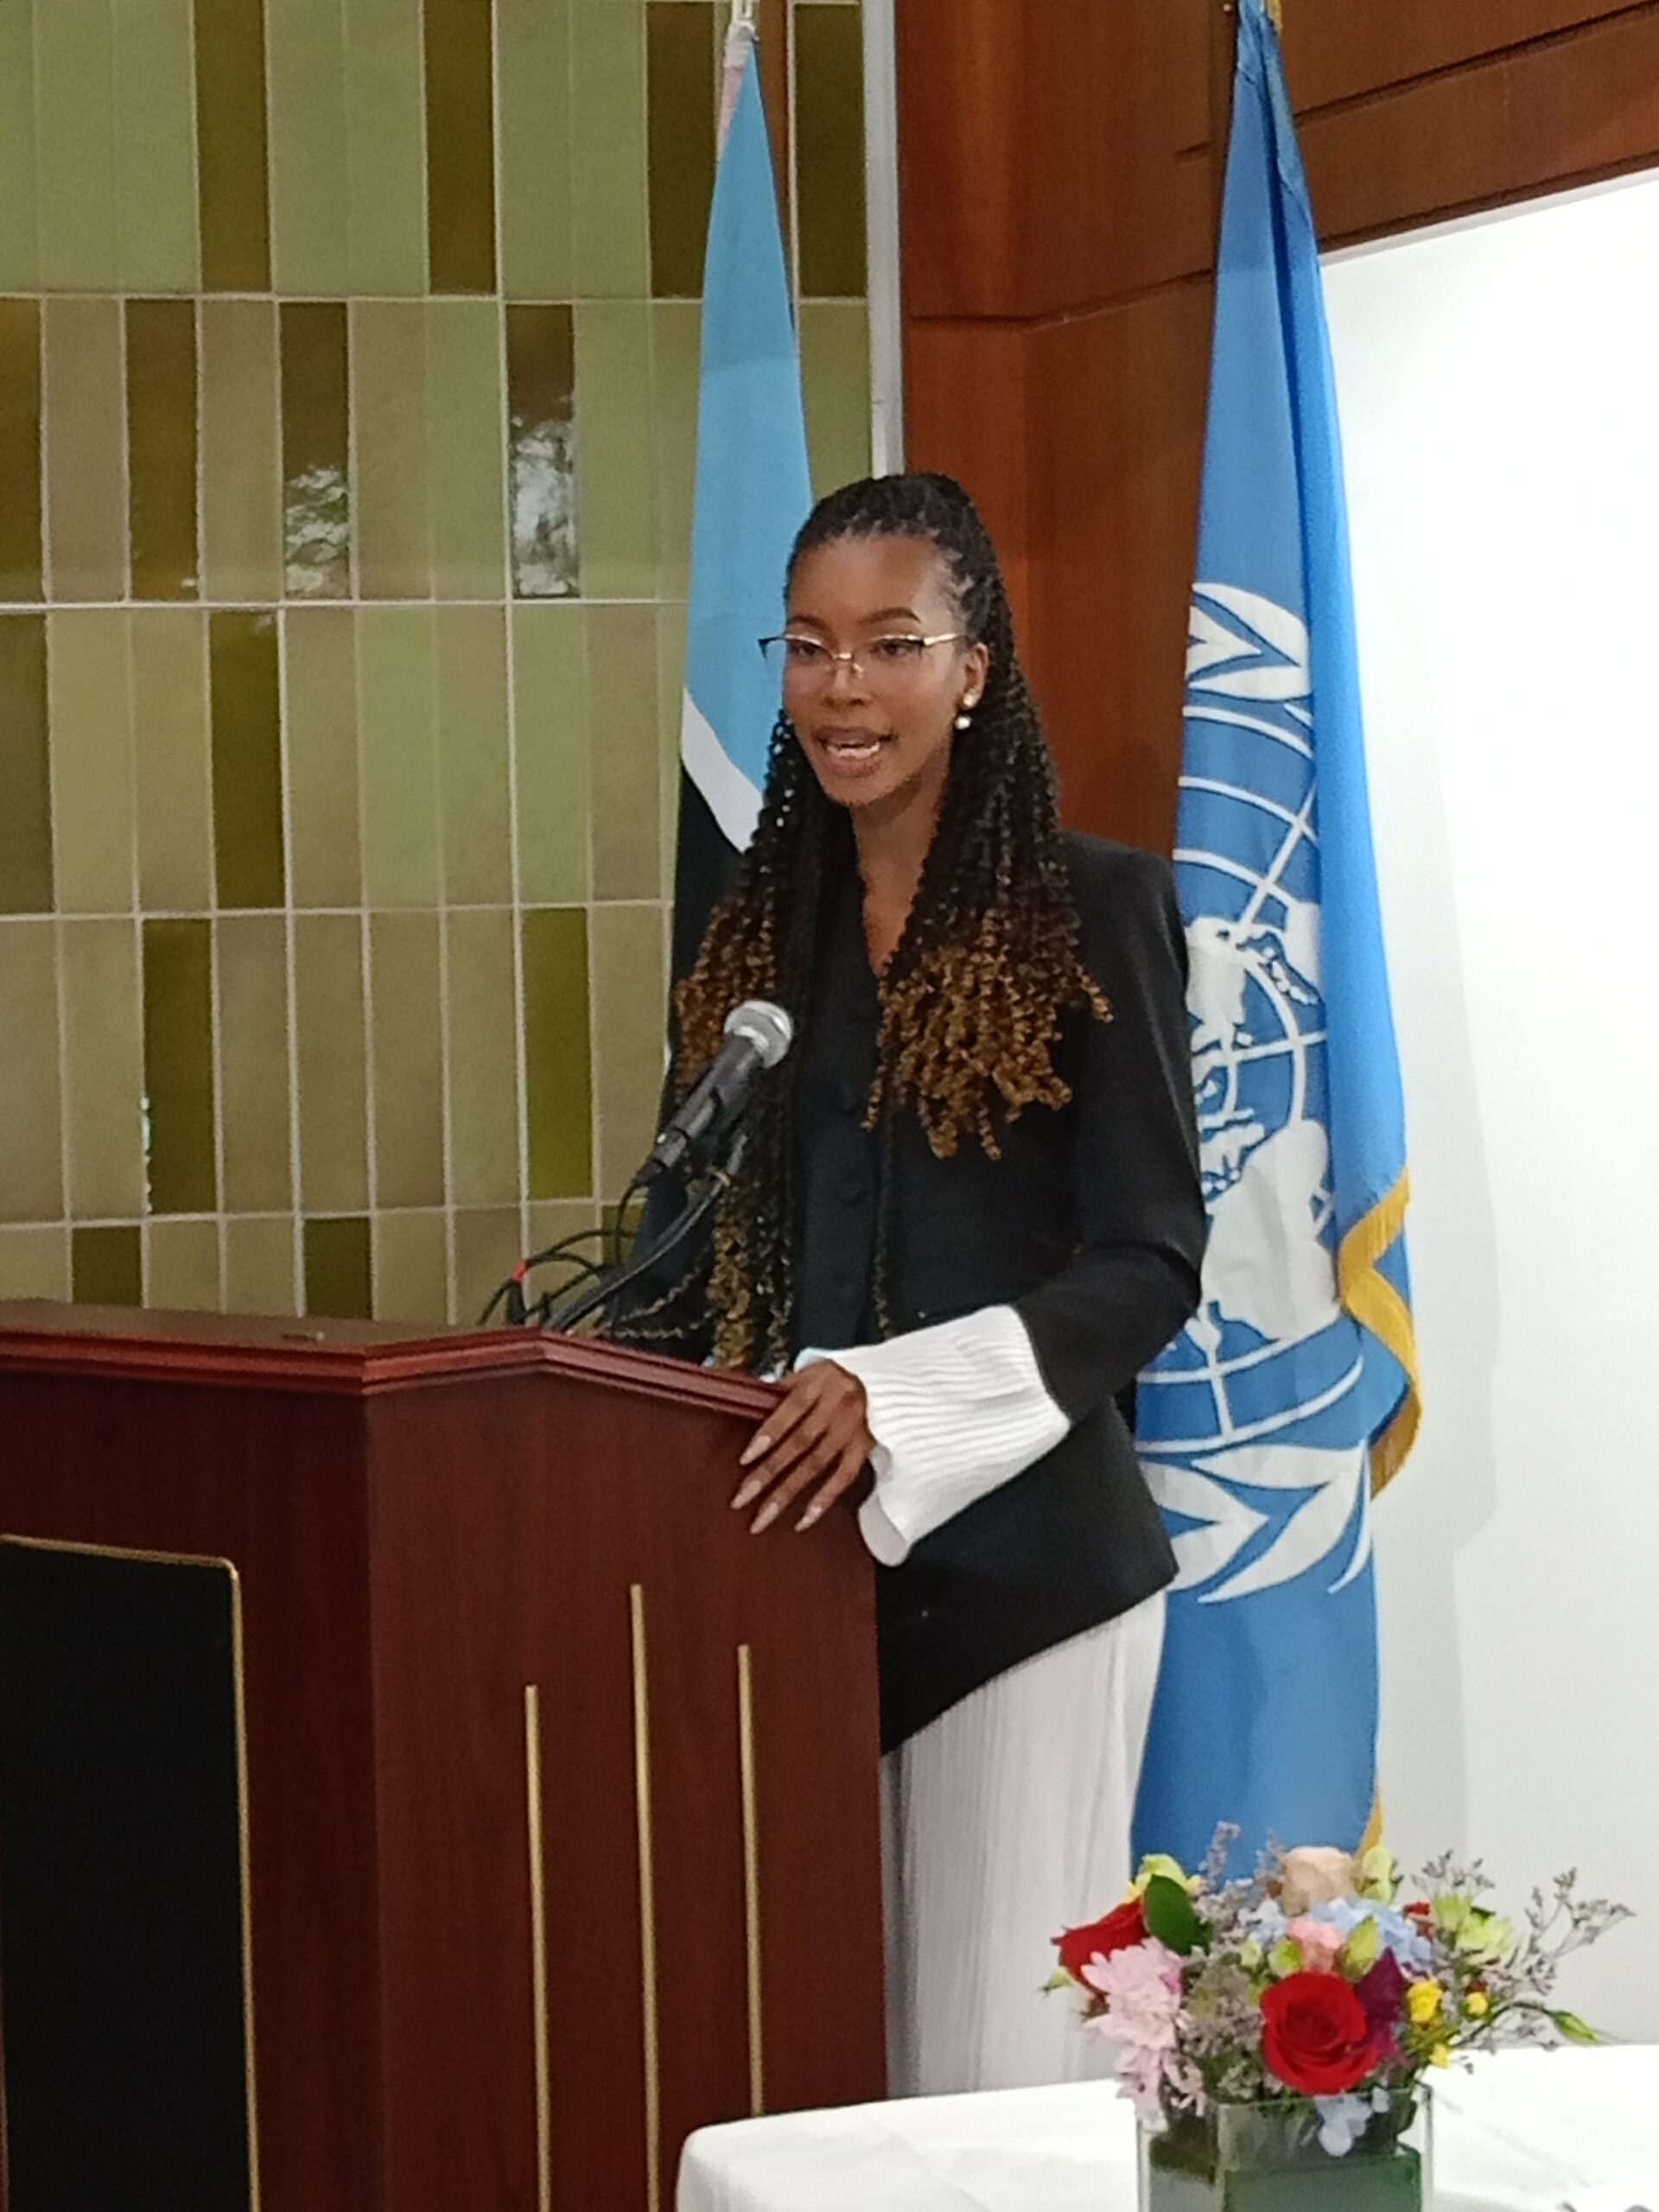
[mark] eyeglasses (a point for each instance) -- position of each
(808, 664)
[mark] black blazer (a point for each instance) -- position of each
(1091, 1226)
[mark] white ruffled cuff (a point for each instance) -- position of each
(955, 1410)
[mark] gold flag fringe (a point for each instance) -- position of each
(1375, 1303)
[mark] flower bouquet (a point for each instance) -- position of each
(1264, 2028)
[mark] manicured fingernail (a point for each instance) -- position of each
(744, 1495)
(753, 1448)
(807, 1518)
(763, 1519)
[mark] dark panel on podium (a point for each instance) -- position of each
(121, 1924)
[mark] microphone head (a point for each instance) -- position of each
(762, 1024)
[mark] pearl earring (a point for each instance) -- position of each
(964, 719)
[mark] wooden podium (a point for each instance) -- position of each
(417, 1789)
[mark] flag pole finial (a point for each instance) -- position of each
(743, 36)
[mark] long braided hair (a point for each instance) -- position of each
(972, 998)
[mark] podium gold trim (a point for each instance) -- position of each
(538, 1946)
(750, 1879)
(647, 1899)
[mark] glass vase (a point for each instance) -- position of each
(1267, 2158)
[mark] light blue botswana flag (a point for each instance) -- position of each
(753, 493)
(1291, 1397)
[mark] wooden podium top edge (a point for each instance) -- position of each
(338, 1358)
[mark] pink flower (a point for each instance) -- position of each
(1140, 2080)
(1318, 1943)
(1141, 1988)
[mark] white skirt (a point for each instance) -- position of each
(1005, 1821)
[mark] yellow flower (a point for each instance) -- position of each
(1477, 2004)
(1423, 2002)
(1441, 2055)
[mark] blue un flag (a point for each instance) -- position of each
(1291, 1396)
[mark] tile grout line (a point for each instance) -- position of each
(147, 1109)
(32, 8)
(364, 916)
(213, 913)
(146, 1248)
(204, 625)
(140, 963)
(354, 605)
(59, 960)
(215, 978)
(218, 296)
(446, 1027)
(197, 264)
(285, 766)
(269, 605)
(290, 967)
(792, 111)
(508, 647)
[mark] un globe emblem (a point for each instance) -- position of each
(1256, 1400)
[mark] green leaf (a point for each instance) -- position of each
(1574, 2029)
(1157, 1863)
(1362, 1950)
(1060, 1980)
(1170, 1916)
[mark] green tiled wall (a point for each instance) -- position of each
(347, 410)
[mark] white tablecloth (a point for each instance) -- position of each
(1522, 2132)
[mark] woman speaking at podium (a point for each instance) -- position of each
(967, 1215)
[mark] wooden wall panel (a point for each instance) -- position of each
(962, 149)
(1112, 471)
(966, 396)
(1332, 53)
(1053, 152)
(1060, 172)
(1115, 482)
(1543, 118)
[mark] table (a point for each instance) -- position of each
(1523, 2131)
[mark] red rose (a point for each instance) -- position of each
(1315, 2035)
(1118, 1930)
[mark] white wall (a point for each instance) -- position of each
(1499, 386)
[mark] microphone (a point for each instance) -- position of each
(758, 1035)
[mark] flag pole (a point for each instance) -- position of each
(885, 303)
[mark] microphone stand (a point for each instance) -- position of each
(715, 1180)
